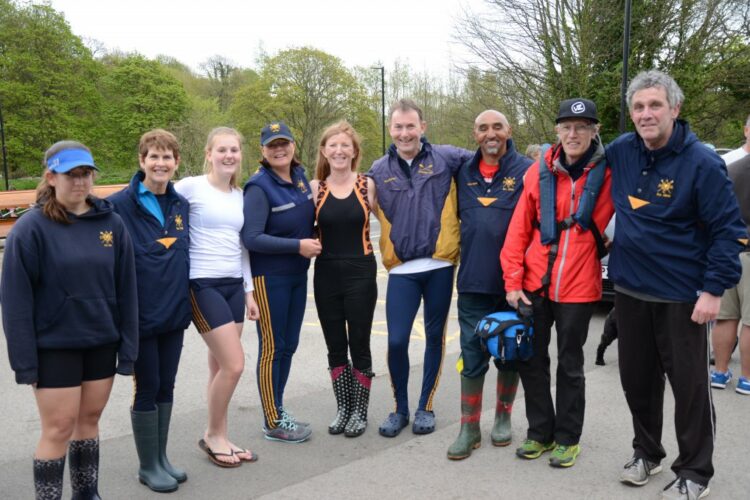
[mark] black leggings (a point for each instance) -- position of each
(156, 369)
(345, 296)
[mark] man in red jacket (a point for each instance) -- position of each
(552, 262)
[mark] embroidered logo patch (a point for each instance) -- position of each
(509, 184)
(665, 188)
(636, 203)
(301, 186)
(106, 238)
(275, 127)
(425, 169)
(178, 222)
(389, 179)
(167, 242)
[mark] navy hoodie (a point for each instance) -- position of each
(162, 261)
(69, 286)
(679, 230)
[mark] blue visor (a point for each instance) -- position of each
(68, 159)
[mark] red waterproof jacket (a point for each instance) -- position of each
(576, 274)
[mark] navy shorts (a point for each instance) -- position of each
(216, 302)
(70, 367)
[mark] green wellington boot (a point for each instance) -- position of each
(470, 436)
(165, 416)
(507, 384)
(146, 435)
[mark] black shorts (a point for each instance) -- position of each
(70, 367)
(216, 302)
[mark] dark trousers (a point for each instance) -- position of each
(472, 307)
(345, 296)
(281, 300)
(156, 369)
(405, 293)
(655, 339)
(563, 421)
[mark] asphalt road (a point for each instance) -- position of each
(408, 466)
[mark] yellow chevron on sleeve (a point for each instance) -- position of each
(486, 201)
(743, 241)
(167, 242)
(637, 203)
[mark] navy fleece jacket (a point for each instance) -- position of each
(162, 261)
(69, 287)
(679, 230)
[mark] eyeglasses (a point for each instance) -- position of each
(567, 128)
(81, 175)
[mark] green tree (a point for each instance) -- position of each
(139, 94)
(548, 50)
(47, 85)
(309, 90)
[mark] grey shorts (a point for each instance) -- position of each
(735, 303)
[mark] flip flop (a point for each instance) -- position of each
(212, 456)
(245, 451)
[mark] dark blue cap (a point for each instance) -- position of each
(273, 131)
(577, 108)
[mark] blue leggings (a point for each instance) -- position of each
(281, 300)
(156, 369)
(405, 292)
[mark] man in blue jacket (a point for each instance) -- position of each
(489, 185)
(675, 251)
(419, 246)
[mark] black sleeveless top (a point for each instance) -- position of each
(344, 224)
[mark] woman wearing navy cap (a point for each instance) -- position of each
(279, 217)
(70, 315)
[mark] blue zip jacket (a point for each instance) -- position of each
(69, 287)
(679, 230)
(485, 211)
(278, 214)
(162, 260)
(418, 213)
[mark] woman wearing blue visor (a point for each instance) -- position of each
(70, 315)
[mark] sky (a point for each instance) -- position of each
(360, 32)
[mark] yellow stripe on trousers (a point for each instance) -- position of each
(265, 356)
(200, 321)
(428, 406)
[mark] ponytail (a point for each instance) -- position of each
(47, 201)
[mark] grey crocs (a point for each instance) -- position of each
(424, 422)
(393, 425)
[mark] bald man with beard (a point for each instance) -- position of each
(489, 185)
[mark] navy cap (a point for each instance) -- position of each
(68, 159)
(273, 131)
(577, 108)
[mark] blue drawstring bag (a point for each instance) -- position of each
(507, 335)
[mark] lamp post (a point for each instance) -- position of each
(382, 99)
(625, 57)
(5, 156)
